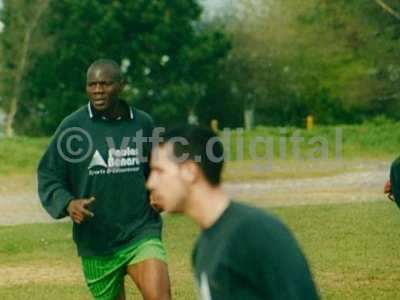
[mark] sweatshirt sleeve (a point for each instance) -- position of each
(395, 180)
(149, 132)
(52, 181)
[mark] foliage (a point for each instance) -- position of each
(169, 59)
(336, 60)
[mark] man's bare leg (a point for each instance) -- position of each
(151, 278)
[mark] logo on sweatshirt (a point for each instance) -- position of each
(97, 161)
(118, 161)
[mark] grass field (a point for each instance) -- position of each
(377, 140)
(353, 250)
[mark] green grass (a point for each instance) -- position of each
(20, 154)
(353, 250)
(371, 141)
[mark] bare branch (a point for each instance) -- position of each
(388, 9)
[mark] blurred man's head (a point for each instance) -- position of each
(188, 157)
(104, 82)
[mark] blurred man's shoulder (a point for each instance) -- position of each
(257, 219)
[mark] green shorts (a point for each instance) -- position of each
(104, 275)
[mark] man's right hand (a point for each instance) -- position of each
(387, 189)
(77, 209)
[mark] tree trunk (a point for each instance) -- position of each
(21, 67)
(249, 119)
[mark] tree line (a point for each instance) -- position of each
(282, 60)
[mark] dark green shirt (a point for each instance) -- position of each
(85, 159)
(248, 254)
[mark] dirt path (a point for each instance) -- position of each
(349, 187)
(34, 274)
(19, 203)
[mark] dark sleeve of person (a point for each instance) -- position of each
(395, 180)
(148, 133)
(272, 261)
(52, 181)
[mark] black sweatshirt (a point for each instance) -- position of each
(90, 155)
(248, 254)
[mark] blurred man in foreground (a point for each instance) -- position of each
(242, 252)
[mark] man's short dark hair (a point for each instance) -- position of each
(112, 65)
(202, 146)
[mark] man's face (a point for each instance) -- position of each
(102, 87)
(166, 183)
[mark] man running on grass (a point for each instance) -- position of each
(91, 171)
(242, 252)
